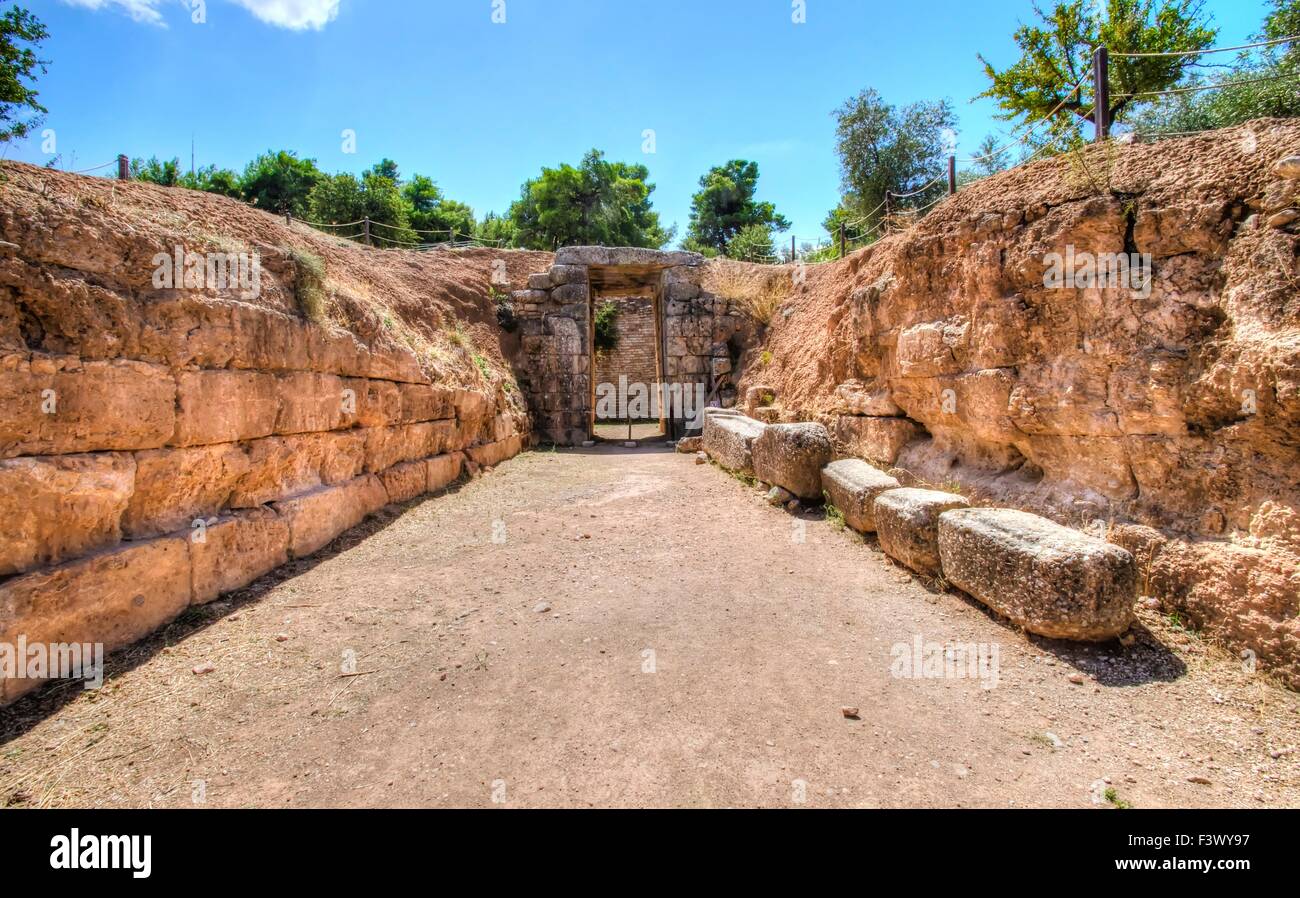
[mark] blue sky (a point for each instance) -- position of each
(479, 106)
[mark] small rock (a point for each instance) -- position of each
(587, 444)
(206, 667)
(542, 607)
(850, 713)
(778, 496)
(1076, 679)
(701, 458)
(629, 444)
(1199, 780)
(1283, 218)
(281, 637)
(1288, 167)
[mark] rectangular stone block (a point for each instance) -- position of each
(225, 406)
(1049, 579)
(63, 406)
(311, 402)
(406, 481)
(491, 454)
(444, 470)
(235, 551)
(729, 440)
(55, 508)
(173, 487)
(907, 525)
(792, 456)
(426, 402)
(113, 598)
(316, 518)
(852, 485)
(378, 402)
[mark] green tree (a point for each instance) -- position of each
(431, 211)
(20, 32)
(883, 148)
(165, 173)
(752, 243)
(725, 205)
(1057, 55)
(599, 203)
(213, 180)
(345, 198)
(497, 230)
(280, 182)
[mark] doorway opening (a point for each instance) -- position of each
(627, 353)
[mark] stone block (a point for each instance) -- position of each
(1049, 579)
(878, 439)
(444, 470)
(224, 406)
(792, 456)
(406, 481)
(173, 487)
(907, 525)
(852, 485)
(235, 551)
(316, 518)
(729, 440)
(311, 402)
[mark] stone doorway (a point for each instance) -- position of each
(694, 345)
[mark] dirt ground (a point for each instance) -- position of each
(629, 628)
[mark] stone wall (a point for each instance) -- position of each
(636, 353)
(555, 365)
(235, 439)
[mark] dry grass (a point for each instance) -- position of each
(309, 285)
(756, 291)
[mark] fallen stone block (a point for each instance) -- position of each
(316, 518)
(1049, 579)
(113, 598)
(792, 456)
(852, 485)
(907, 525)
(235, 551)
(406, 481)
(729, 440)
(60, 507)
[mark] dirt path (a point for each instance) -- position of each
(695, 652)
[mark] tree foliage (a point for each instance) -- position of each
(20, 33)
(599, 203)
(725, 205)
(752, 243)
(1057, 54)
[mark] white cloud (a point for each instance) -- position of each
(140, 10)
(295, 14)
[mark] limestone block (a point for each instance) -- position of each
(311, 402)
(316, 518)
(444, 470)
(729, 440)
(235, 551)
(879, 439)
(792, 456)
(1049, 579)
(907, 525)
(406, 481)
(224, 406)
(55, 508)
(852, 485)
(173, 487)
(491, 454)
(427, 402)
(113, 598)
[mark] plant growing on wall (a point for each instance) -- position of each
(607, 327)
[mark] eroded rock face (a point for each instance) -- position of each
(729, 440)
(1049, 579)
(792, 456)
(852, 486)
(1171, 403)
(907, 525)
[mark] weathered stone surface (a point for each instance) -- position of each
(311, 402)
(879, 439)
(607, 256)
(235, 551)
(907, 525)
(853, 398)
(1049, 579)
(427, 402)
(759, 396)
(792, 456)
(494, 453)
(729, 440)
(387, 446)
(56, 406)
(55, 508)
(224, 406)
(406, 481)
(852, 485)
(689, 445)
(175, 486)
(1288, 167)
(378, 402)
(316, 518)
(113, 598)
(444, 470)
